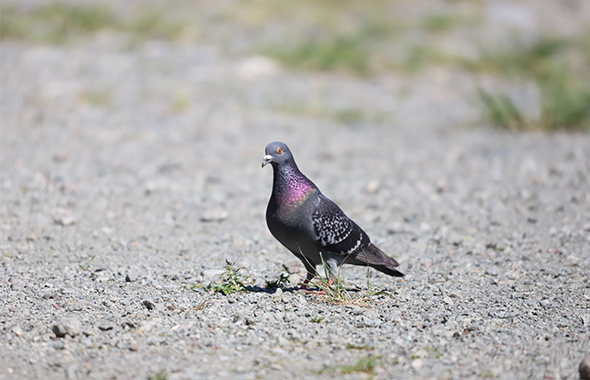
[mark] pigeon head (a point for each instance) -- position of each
(277, 154)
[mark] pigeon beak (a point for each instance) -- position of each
(266, 160)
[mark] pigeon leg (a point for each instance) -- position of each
(310, 276)
(316, 292)
(303, 286)
(310, 271)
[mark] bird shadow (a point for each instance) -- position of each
(290, 289)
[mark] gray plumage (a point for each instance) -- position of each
(313, 227)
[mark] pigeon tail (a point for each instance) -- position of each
(388, 270)
(377, 259)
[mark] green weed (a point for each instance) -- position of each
(99, 98)
(203, 304)
(419, 55)
(351, 346)
(180, 101)
(350, 116)
(500, 110)
(162, 375)
(433, 350)
(487, 375)
(231, 281)
(440, 22)
(151, 23)
(279, 282)
(86, 265)
(366, 365)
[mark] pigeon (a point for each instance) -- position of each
(313, 227)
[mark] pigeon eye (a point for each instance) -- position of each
(279, 150)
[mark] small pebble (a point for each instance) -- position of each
(67, 326)
(131, 276)
(372, 187)
(493, 271)
(214, 216)
(17, 330)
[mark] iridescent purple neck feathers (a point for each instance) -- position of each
(290, 187)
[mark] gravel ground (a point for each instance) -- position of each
(127, 177)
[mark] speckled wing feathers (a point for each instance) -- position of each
(334, 230)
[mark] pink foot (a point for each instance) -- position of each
(315, 292)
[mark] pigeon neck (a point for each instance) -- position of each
(291, 186)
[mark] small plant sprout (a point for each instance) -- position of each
(203, 304)
(162, 375)
(231, 280)
(365, 364)
(86, 265)
(279, 282)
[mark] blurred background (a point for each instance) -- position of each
(517, 65)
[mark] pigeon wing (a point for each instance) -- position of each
(335, 231)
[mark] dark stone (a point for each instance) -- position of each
(584, 368)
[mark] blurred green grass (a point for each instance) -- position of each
(370, 38)
(350, 116)
(61, 23)
(356, 38)
(333, 35)
(348, 53)
(559, 68)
